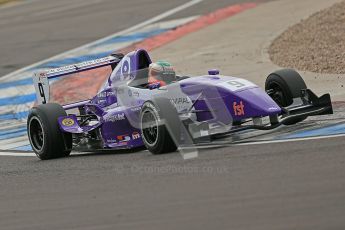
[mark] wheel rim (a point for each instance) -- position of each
(150, 127)
(36, 134)
(278, 94)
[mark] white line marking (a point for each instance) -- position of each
(291, 140)
(16, 91)
(14, 142)
(229, 143)
(171, 23)
(7, 109)
(128, 30)
(18, 154)
(118, 45)
(11, 124)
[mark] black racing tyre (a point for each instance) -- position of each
(46, 138)
(285, 85)
(160, 126)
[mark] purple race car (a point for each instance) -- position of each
(128, 112)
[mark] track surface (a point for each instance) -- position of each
(277, 186)
(294, 185)
(37, 29)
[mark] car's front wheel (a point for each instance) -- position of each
(159, 126)
(283, 86)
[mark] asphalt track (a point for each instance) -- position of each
(286, 185)
(294, 185)
(33, 30)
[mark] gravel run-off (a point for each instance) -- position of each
(316, 44)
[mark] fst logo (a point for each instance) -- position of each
(238, 108)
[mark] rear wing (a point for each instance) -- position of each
(41, 79)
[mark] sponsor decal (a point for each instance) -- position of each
(68, 122)
(121, 144)
(136, 109)
(123, 138)
(101, 101)
(120, 91)
(42, 76)
(115, 142)
(135, 135)
(272, 108)
(133, 93)
(180, 100)
(181, 103)
(116, 117)
(119, 117)
(125, 67)
(111, 140)
(238, 108)
(106, 94)
(80, 65)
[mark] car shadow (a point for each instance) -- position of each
(101, 152)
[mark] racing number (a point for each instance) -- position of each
(40, 87)
(236, 84)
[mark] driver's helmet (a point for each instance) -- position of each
(161, 72)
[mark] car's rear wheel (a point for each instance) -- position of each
(45, 136)
(283, 86)
(159, 126)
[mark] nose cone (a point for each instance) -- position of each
(256, 103)
(242, 98)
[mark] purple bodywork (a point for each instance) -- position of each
(217, 99)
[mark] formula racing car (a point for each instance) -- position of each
(130, 112)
